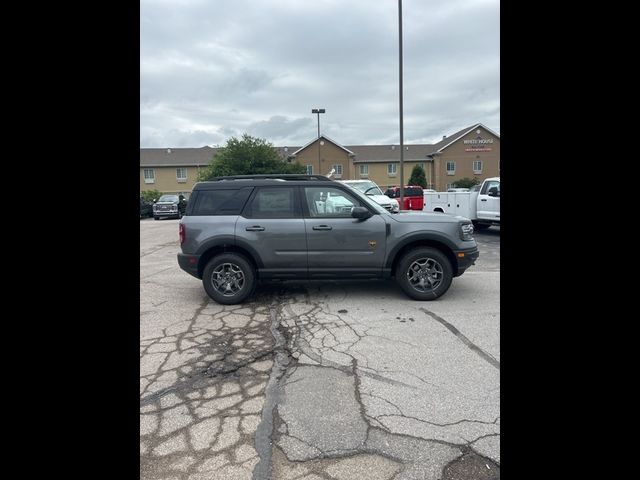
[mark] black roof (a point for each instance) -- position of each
(261, 180)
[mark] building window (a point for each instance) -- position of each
(364, 170)
(477, 166)
(451, 168)
(450, 185)
(149, 175)
(309, 169)
(392, 169)
(181, 174)
(338, 170)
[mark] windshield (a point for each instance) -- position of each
(369, 188)
(374, 205)
(168, 198)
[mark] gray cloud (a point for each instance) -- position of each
(211, 70)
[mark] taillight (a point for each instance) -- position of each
(182, 232)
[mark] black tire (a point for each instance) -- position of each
(238, 270)
(428, 265)
(480, 226)
(179, 214)
(156, 218)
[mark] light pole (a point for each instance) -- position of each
(318, 111)
(401, 113)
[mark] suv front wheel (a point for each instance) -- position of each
(424, 273)
(229, 278)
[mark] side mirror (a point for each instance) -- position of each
(360, 212)
(493, 192)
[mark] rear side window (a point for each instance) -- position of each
(221, 202)
(413, 192)
(277, 202)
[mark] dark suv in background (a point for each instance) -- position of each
(238, 230)
(169, 206)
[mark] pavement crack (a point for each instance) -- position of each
(264, 431)
(484, 355)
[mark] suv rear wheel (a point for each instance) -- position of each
(424, 273)
(229, 278)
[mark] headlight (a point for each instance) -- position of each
(466, 231)
(395, 206)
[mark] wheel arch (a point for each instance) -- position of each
(423, 242)
(228, 247)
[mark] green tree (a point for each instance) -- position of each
(151, 195)
(466, 182)
(418, 177)
(248, 156)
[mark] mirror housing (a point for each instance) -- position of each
(493, 192)
(361, 212)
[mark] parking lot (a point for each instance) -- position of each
(309, 380)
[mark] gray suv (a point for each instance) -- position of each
(241, 229)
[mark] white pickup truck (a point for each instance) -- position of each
(481, 206)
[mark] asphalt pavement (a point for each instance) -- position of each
(309, 380)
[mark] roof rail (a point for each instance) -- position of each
(284, 176)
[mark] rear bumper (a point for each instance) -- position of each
(189, 263)
(466, 258)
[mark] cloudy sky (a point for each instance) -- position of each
(215, 69)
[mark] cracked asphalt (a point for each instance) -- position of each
(332, 380)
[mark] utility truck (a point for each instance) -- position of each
(482, 206)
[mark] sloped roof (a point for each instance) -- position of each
(326, 138)
(168, 157)
(445, 142)
(390, 153)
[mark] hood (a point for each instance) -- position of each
(410, 216)
(381, 199)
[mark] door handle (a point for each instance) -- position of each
(483, 199)
(322, 227)
(255, 228)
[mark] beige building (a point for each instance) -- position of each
(172, 170)
(473, 152)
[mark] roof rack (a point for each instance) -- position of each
(284, 176)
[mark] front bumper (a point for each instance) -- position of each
(166, 213)
(466, 258)
(189, 263)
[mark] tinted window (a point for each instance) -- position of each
(278, 202)
(221, 202)
(168, 198)
(413, 192)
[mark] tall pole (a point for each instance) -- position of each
(318, 111)
(401, 110)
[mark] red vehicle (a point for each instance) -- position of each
(413, 197)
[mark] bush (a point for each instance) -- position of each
(150, 195)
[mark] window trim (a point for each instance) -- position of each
(309, 166)
(151, 179)
(477, 171)
(395, 169)
(451, 172)
(361, 173)
(181, 179)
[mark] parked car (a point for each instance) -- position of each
(373, 191)
(169, 206)
(413, 196)
(239, 230)
(146, 208)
